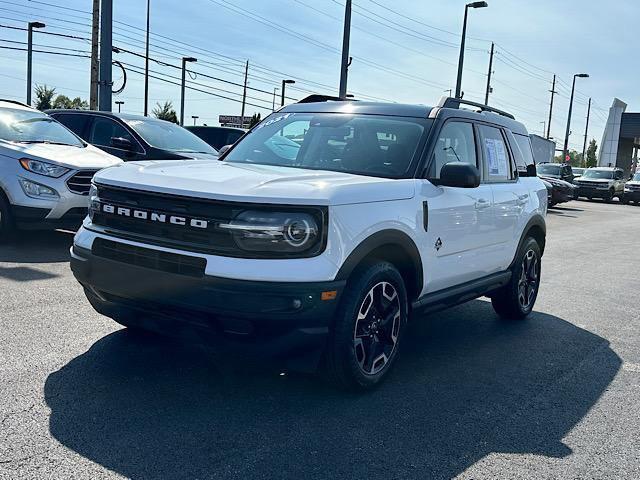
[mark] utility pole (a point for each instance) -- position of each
(486, 95)
(146, 64)
(273, 104)
(586, 132)
(30, 28)
(553, 92)
(182, 86)
(106, 45)
(95, 41)
(244, 93)
(344, 66)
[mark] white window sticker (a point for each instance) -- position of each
(497, 161)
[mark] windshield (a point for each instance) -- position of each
(636, 177)
(30, 126)
(548, 169)
(169, 136)
(577, 171)
(360, 144)
(607, 174)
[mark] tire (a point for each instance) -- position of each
(516, 299)
(625, 201)
(609, 198)
(366, 333)
(6, 220)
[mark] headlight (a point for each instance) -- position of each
(36, 190)
(94, 202)
(279, 233)
(43, 168)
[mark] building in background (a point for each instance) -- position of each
(620, 146)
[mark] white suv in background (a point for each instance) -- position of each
(321, 231)
(45, 171)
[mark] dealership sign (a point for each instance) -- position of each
(233, 120)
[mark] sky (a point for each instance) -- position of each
(403, 51)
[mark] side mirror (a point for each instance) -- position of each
(122, 143)
(532, 171)
(459, 174)
(223, 150)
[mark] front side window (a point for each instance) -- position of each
(496, 155)
(31, 126)
(455, 143)
(104, 129)
(360, 144)
(169, 136)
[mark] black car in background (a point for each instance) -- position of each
(134, 137)
(559, 191)
(561, 171)
(217, 137)
(632, 190)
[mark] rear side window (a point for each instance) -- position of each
(496, 154)
(455, 143)
(76, 123)
(233, 137)
(523, 143)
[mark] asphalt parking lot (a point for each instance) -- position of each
(556, 396)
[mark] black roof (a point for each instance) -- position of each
(408, 110)
(123, 116)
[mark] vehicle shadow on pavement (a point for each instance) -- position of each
(466, 385)
(37, 247)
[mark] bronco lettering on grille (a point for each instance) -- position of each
(154, 216)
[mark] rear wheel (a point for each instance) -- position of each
(365, 337)
(609, 197)
(517, 298)
(6, 220)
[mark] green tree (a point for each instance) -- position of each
(165, 112)
(62, 101)
(592, 159)
(255, 119)
(44, 97)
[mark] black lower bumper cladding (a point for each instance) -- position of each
(169, 293)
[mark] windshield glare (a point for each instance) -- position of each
(548, 169)
(360, 144)
(169, 136)
(29, 126)
(606, 174)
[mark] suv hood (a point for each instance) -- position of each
(596, 180)
(66, 155)
(254, 183)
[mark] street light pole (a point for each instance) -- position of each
(30, 28)
(146, 64)
(273, 104)
(182, 85)
(195, 117)
(119, 103)
(565, 150)
(344, 65)
(462, 42)
(586, 132)
(285, 82)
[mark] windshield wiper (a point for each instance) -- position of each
(47, 142)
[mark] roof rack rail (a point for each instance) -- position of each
(322, 98)
(450, 102)
(8, 100)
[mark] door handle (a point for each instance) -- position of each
(523, 197)
(482, 203)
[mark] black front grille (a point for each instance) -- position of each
(148, 258)
(211, 239)
(80, 183)
(635, 188)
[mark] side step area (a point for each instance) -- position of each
(449, 297)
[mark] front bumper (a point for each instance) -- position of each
(33, 218)
(633, 195)
(287, 321)
(595, 192)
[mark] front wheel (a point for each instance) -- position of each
(366, 332)
(516, 299)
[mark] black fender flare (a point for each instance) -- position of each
(388, 237)
(535, 222)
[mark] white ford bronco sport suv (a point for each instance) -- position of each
(319, 233)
